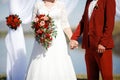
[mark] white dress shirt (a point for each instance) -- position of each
(91, 7)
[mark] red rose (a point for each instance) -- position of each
(47, 35)
(42, 23)
(16, 20)
(39, 31)
(36, 25)
(50, 38)
(46, 25)
(40, 16)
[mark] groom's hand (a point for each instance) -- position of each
(101, 48)
(73, 44)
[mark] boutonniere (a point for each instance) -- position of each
(96, 6)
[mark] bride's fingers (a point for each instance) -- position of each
(76, 47)
(72, 46)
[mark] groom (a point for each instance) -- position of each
(97, 26)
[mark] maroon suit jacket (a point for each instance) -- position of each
(98, 29)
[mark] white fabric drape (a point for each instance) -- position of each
(15, 43)
(16, 54)
(23, 8)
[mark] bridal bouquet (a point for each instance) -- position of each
(13, 21)
(44, 29)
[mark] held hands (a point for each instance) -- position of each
(73, 44)
(101, 48)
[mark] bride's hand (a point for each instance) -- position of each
(73, 44)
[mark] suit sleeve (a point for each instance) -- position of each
(109, 22)
(78, 30)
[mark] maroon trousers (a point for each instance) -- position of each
(99, 62)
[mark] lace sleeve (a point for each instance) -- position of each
(64, 18)
(35, 11)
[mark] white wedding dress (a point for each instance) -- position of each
(55, 63)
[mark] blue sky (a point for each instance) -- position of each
(3, 9)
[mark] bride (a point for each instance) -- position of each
(54, 63)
